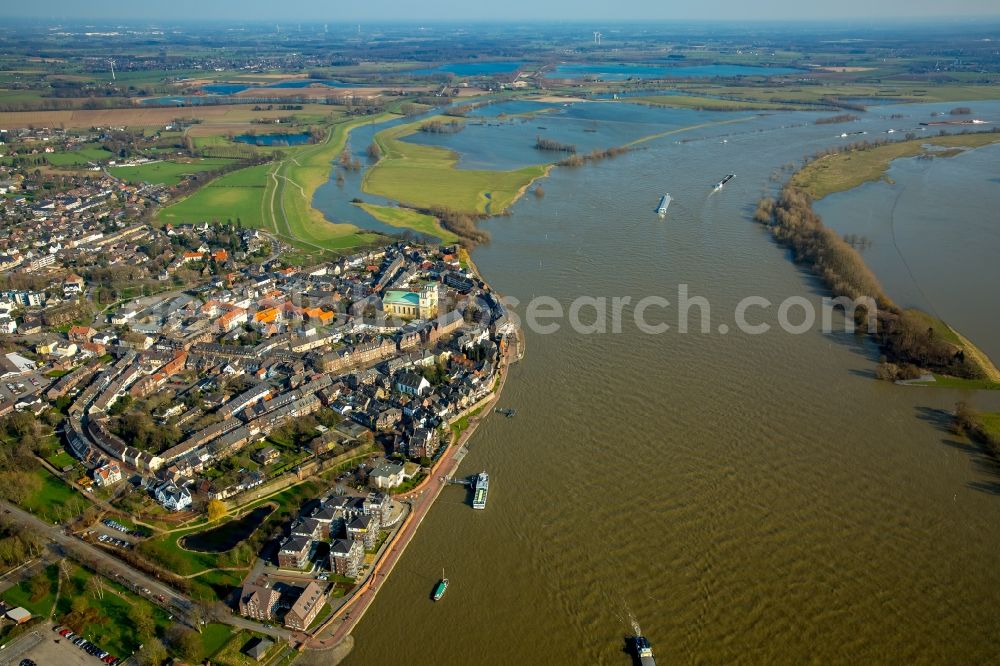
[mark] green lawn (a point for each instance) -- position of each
(167, 172)
(213, 637)
(92, 152)
(407, 218)
(21, 594)
(61, 459)
(991, 424)
(426, 176)
(54, 501)
(215, 584)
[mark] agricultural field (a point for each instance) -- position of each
(167, 172)
(426, 177)
(817, 93)
(222, 114)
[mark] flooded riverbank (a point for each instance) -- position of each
(745, 498)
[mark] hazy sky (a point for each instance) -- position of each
(503, 10)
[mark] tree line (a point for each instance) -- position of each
(906, 338)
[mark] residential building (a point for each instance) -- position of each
(346, 556)
(389, 474)
(294, 552)
(107, 475)
(259, 602)
(306, 607)
(172, 496)
(364, 529)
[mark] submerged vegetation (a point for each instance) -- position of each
(442, 127)
(594, 155)
(839, 118)
(541, 143)
(911, 341)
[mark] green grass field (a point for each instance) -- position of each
(76, 158)
(844, 171)
(409, 219)
(214, 637)
(55, 500)
(21, 594)
(167, 172)
(277, 197)
(238, 194)
(61, 459)
(230, 654)
(426, 176)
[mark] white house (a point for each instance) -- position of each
(387, 475)
(172, 496)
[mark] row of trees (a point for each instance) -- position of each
(541, 143)
(907, 338)
(967, 421)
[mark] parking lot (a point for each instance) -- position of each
(12, 389)
(45, 647)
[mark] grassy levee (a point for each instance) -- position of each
(427, 177)
(300, 175)
(846, 170)
(681, 130)
(409, 219)
(277, 197)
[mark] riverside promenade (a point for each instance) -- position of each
(339, 626)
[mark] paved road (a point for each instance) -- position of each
(128, 575)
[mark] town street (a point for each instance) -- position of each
(126, 574)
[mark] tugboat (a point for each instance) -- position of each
(643, 651)
(441, 587)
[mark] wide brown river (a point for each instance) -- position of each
(741, 498)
